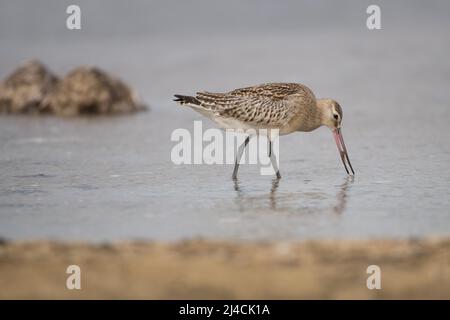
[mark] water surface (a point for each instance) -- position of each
(112, 178)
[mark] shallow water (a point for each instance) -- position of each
(112, 178)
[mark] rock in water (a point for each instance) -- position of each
(24, 90)
(89, 90)
(32, 88)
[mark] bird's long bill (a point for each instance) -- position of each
(342, 150)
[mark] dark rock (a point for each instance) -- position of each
(24, 90)
(32, 88)
(89, 90)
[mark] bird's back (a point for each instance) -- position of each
(274, 91)
(271, 105)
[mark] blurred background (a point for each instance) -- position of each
(112, 178)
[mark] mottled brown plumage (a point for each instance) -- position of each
(285, 106)
(288, 107)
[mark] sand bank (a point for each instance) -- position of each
(198, 269)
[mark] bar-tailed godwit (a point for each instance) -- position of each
(288, 107)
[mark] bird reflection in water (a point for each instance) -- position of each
(241, 194)
(273, 190)
(341, 196)
(338, 208)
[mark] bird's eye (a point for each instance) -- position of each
(336, 116)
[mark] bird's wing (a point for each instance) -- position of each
(274, 91)
(263, 105)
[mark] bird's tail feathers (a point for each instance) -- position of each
(186, 100)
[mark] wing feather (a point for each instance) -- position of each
(264, 105)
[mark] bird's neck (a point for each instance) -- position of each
(322, 111)
(309, 118)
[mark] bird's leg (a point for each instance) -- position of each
(239, 156)
(273, 160)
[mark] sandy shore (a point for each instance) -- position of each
(200, 269)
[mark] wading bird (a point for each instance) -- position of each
(288, 107)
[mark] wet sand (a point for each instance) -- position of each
(200, 269)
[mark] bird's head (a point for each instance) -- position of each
(331, 113)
